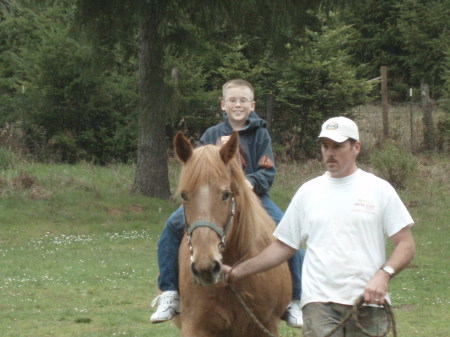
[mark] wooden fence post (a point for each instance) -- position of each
(428, 133)
(384, 101)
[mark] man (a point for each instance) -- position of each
(258, 164)
(344, 218)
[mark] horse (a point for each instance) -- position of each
(224, 223)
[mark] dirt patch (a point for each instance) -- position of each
(136, 208)
(114, 211)
(39, 193)
(24, 181)
(406, 307)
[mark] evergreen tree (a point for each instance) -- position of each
(408, 36)
(62, 103)
(160, 24)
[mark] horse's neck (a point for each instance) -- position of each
(232, 257)
(232, 254)
(235, 251)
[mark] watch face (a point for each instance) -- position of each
(389, 270)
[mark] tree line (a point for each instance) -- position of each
(109, 81)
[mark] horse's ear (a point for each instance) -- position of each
(183, 147)
(228, 150)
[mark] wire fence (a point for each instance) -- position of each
(405, 121)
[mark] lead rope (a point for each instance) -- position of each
(249, 312)
(354, 314)
(243, 304)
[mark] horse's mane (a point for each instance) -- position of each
(252, 227)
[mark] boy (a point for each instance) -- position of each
(258, 164)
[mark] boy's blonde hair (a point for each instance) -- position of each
(237, 83)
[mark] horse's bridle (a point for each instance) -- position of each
(205, 223)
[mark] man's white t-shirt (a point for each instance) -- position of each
(344, 223)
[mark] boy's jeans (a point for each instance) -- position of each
(173, 232)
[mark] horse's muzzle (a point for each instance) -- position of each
(207, 275)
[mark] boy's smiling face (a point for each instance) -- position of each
(238, 103)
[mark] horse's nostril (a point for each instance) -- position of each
(217, 267)
(194, 270)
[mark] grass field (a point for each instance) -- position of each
(78, 252)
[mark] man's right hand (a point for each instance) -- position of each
(226, 271)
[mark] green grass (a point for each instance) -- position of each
(78, 252)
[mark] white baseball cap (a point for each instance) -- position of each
(339, 129)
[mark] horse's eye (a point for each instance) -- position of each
(226, 195)
(183, 196)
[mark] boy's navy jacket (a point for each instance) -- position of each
(255, 149)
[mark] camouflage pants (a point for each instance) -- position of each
(320, 318)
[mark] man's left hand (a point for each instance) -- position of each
(376, 288)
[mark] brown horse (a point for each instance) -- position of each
(225, 223)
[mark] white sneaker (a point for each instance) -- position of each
(293, 314)
(168, 307)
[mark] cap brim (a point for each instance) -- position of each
(333, 136)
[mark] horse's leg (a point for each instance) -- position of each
(177, 321)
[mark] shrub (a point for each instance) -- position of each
(6, 159)
(394, 163)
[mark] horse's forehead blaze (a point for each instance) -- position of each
(204, 195)
(206, 203)
(204, 191)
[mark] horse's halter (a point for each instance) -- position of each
(205, 223)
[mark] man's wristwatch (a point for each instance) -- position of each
(388, 270)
